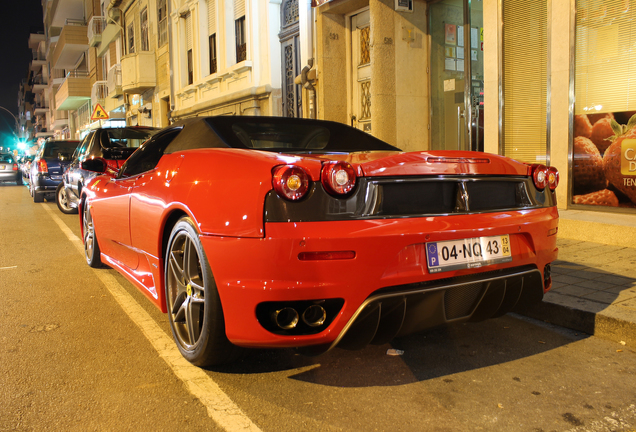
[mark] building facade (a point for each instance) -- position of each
(524, 79)
(529, 80)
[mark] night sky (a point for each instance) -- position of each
(18, 18)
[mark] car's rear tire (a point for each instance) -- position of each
(192, 298)
(91, 247)
(37, 197)
(63, 203)
(18, 181)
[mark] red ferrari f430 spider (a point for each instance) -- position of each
(276, 232)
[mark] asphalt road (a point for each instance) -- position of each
(83, 350)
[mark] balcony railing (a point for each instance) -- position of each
(96, 27)
(77, 74)
(99, 92)
(37, 55)
(114, 81)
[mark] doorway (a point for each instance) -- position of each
(457, 75)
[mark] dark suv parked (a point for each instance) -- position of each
(102, 150)
(46, 169)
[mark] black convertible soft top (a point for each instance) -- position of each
(276, 134)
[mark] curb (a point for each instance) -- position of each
(614, 322)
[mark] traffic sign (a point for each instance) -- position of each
(99, 113)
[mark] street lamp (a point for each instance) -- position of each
(17, 124)
(17, 127)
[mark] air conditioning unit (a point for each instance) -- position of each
(404, 5)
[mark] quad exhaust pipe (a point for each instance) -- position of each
(287, 318)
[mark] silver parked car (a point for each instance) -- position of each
(9, 169)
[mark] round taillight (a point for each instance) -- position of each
(540, 176)
(290, 182)
(553, 177)
(338, 178)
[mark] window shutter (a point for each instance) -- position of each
(239, 9)
(525, 59)
(604, 79)
(211, 17)
(188, 30)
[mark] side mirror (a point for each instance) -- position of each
(97, 165)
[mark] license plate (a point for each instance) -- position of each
(467, 253)
(1, 167)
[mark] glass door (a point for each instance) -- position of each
(457, 110)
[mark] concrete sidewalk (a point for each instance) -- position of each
(594, 284)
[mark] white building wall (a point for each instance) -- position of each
(250, 87)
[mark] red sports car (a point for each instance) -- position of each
(276, 232)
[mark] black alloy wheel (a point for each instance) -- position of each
(194, 306)
(62, 200)
(91, 247)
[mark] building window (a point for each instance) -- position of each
(190, 68)
(145, 43)
(163, 22)
(130, 37)
(213, 53)
(241, 46)
(290, 12)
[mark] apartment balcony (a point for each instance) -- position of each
(74, 91)
(38, 61)
(114, 81)
(99, 93)
(57, 77)
(138, 72)
(59, 120)
(40, 108)
(96, 27)
(59, 10)
(39, 84)
(109, 34)
(72, 43)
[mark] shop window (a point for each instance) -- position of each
(604, 148)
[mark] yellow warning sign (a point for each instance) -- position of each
(99, 113)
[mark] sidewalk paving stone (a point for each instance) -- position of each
(594, 291)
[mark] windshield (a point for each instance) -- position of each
(54, 148)
(125, 137)
(292, 135)
(264, 136)
(6, 158)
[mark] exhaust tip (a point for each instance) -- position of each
(285, 318)
(314, 316)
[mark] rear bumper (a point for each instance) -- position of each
(45, 183)
(10, 176)
(387, 281)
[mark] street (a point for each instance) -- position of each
(84, 350)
